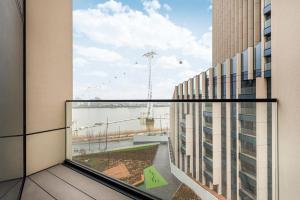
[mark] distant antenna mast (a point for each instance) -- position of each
(150, 55)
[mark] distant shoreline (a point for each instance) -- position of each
(118, 106)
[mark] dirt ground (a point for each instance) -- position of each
(134, 160)
(185, 193)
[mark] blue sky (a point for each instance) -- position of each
(110, 37)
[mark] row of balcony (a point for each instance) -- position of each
(248, 111)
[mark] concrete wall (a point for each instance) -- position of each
(285, 87)
(49, 80)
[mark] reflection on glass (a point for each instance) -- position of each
(159, 154)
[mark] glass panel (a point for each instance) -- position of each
(11, 69)
(200, 86)
(11, 166)
(11, 100)
(158, 153)
(224, 69)
(233, 65)
(258, 57)
(245, 61)
(215, 71)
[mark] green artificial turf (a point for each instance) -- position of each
(153, 179)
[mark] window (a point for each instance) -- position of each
(257, 66)
(245, 61)
(233, 65)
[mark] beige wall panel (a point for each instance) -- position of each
(238, 73)
(245, 24)
(175, 147)
(232, 25)
(250, 63)
(203, 78)
(217, 150)
(45, 150)
(189, 135)
(211, 81)
(257, 21)
(240, 26)
(228, 74)
(236, 24)
(219, 67)
(49, 63)
(214, 32)
(250, 23)
(228, 129)
(197, 127)
(285, 87)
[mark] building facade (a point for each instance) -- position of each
(232, 147)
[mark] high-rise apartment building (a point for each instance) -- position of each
(243, 149)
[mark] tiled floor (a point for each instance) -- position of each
(10, 189)
(62, 183)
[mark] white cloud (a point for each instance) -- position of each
(210, 7)
(167, 7)
(206, 40)
(152, 5)
(79, 62)
(99, 74)
(171, 62)
(112, 6)
(120, 26)
(95, 54)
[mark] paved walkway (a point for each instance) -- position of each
(161, 163)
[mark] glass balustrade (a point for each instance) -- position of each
(165, 150)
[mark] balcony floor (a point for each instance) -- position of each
(60, 182)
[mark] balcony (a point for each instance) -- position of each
(247, 93)
(268, 45)
(267, 30)
(183, 149)
(246, 195)
(250, 110)
(268, 2)
(247, 131)
(268, 70)
(85, 149)
(267, 8)
(208, 174)
(116, 144)
(248, 185)
(268, 23)
(207, 129)
(207, 114)
(207, 144)
(268, 66)
(243, 117)
(183, 137)
(248, 157)
(208, 161)
(247, 138)
(268, 52)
